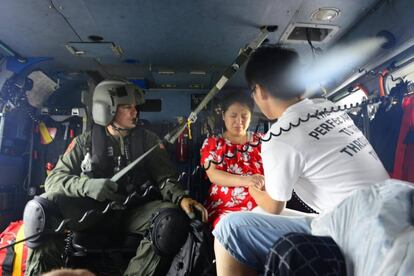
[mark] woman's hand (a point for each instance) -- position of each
(227, 179)
(256, 180)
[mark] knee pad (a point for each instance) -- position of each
(169, 231)
(40, 216)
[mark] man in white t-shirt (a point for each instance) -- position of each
(321, 155)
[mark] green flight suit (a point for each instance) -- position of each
(65, 187)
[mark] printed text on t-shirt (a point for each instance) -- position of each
(328, 125)
(355, 146)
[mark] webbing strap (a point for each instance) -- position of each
(228, 73)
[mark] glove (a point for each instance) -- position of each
(102, 189)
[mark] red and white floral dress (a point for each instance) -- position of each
(223, 200)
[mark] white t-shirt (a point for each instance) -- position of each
(324, 159)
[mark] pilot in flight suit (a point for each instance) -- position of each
(81, 179)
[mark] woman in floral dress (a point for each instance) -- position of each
(237, 180)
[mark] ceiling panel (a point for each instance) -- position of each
(155, 33)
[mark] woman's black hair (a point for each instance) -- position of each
(269, 66)
(231, 97)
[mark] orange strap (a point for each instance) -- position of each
(363, 89)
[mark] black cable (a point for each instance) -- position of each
(317, 113)
(245, 148)
(308, 38)
(396, 79)
(66, 20)
(113, 205)
(131, 197)
(377, 74)
(257, 126)
(22, 240)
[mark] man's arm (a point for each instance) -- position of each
(282, 165)
(65, 177)
(266, 202)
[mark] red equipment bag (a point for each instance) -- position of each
(13, 259)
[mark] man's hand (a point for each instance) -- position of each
(256, 180)
(188, 204)
(264, 201)
(102, 189)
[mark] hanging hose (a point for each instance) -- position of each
(363, 89)
(381, 80)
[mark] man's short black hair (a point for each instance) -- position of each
(269, 67)
(231, 97)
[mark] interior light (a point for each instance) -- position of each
(166, 72)
(195, 72)
(195, 86)
(325, 14)
(168, 85)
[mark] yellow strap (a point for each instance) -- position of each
(189, 129)
(45, 133)
(18, 250)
